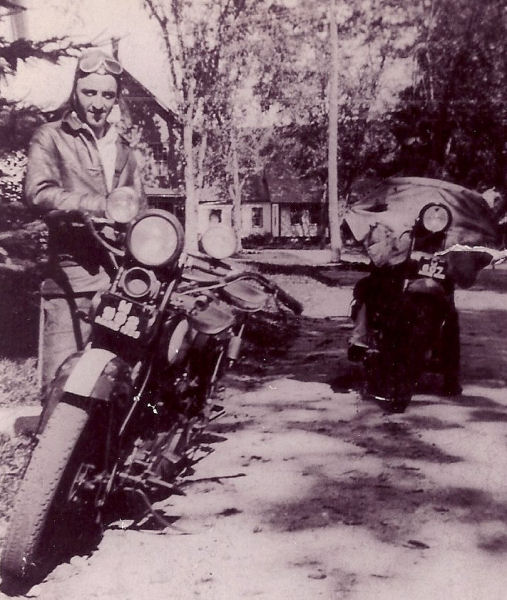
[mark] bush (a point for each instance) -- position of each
(256, 240)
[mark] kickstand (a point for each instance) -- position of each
(151, 511)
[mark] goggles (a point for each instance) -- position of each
(99, 62)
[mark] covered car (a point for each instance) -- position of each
(383, 213)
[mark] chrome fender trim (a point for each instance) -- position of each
(426, 286)
(95, 373)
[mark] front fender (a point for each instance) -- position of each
(426, 285)
(96, 373)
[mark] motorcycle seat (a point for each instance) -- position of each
(211, 319)
(245, 295)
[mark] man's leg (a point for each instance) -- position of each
(451, 354)
(59, 338)
(358, 341)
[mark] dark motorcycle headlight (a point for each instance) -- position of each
(435, 218)
(155, 238)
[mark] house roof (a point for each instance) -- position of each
(279, 184)
(135, 92)
(143, 93)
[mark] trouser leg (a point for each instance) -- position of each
(59, 336)
(359, 335)
(451, 352)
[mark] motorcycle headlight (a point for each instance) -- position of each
(122, 205)
(155, 238)
(219, 241)
(435, 218)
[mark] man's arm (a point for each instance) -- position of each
(43, 185)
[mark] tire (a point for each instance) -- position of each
(393, 374)
(41, 511)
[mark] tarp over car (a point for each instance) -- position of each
(395, 203)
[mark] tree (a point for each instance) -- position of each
(17, 124)
(298, 46)
(450, 122)
(195, 34)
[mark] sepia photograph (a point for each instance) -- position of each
(253, 299)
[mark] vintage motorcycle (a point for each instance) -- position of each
(411, 319)
(122, 416)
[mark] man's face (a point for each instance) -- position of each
(95, 97)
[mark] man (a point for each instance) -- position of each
(73, 164)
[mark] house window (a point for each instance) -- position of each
(215, 215)
(257, 217)
(295, 215)
(160, 159)
(315, 214)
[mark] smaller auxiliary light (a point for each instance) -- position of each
(219, 241)
(122, 205)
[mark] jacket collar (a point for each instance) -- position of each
(74, 123)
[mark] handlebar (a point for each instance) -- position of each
(290, 302)
(79, 219)
(210, 266)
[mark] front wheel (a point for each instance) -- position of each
(393, 371)
(44, 522)
(389, 379)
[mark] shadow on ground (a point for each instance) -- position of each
(377, 501)
(19, 314)
(316, 350)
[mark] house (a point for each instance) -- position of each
(276, 202)
(296, 203)
(158, 133)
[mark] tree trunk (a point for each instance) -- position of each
(236, 196)
(335, 217)
(191, 201)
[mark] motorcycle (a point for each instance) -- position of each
(409, 309)
(122, 416)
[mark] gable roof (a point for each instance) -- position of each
(134, 92)
(278, 183)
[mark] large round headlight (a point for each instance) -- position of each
(435, 218)
(122, 204)
(156, 238)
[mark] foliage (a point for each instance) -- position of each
(449, 123)
(195, 35)
(294, 80)
(17, 124)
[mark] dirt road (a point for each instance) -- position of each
(306, 491)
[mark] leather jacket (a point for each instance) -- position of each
(64, 171)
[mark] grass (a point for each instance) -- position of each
(18, 386)
(18, 381)
(14, 454)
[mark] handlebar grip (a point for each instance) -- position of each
(59, 214)
(290, 302)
